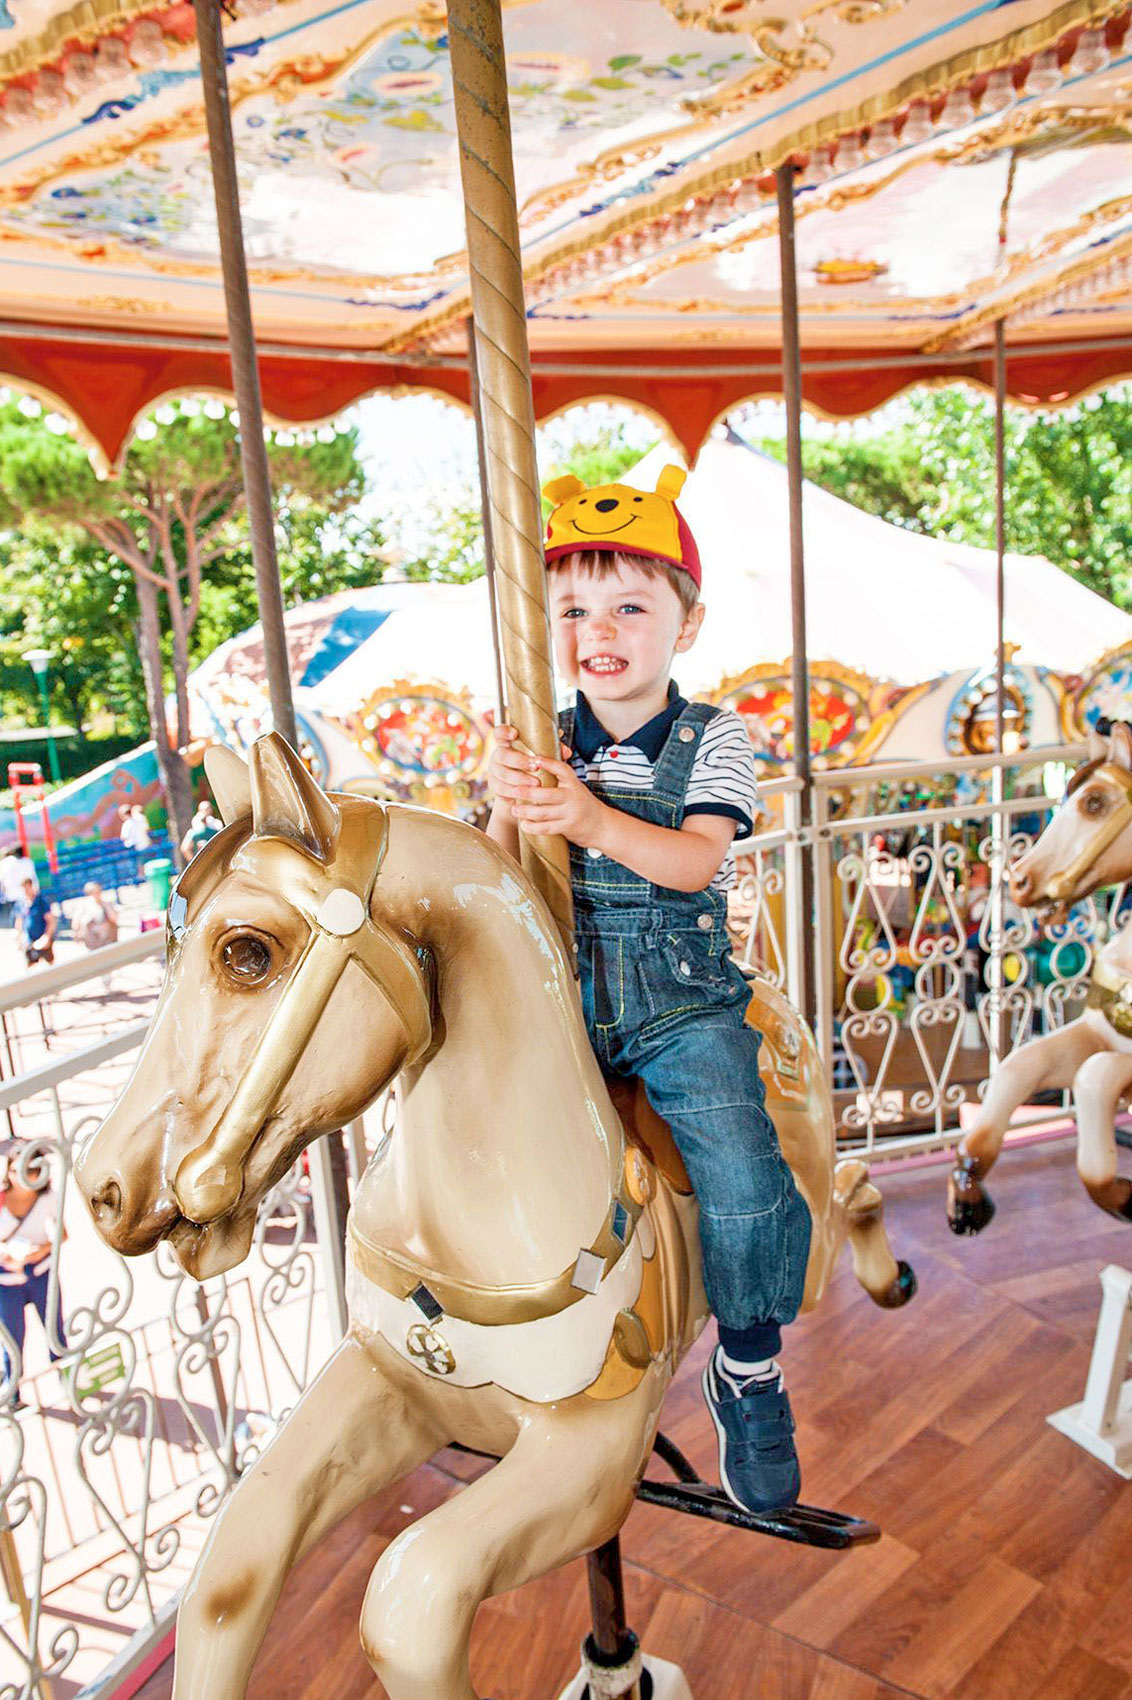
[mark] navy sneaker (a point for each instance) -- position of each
(758, 1462)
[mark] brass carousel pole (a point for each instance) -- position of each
(504, 382)
(329, 1195)
(485, 505)
(800, 684)
(506, 410)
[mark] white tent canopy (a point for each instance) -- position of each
(880, 600)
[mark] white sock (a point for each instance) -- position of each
(738, 1372)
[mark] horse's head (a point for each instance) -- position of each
(1086, 845)
(288, 1004)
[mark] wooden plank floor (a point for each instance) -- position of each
(1006, 1561)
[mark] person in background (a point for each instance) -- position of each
(203, 827)
(28, 1217)
(15, 868)
(135, 832)
(94, 919)
(36, 922)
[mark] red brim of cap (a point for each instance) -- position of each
(690, 564)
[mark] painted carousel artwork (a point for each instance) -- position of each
(395, 688)
(645, 137)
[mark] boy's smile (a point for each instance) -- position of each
(615, 636)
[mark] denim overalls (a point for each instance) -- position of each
(663, 1000)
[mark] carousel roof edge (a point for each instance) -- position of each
(105, 382)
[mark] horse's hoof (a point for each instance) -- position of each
(970, 1208)
(902, 1289)
(1122, 1212)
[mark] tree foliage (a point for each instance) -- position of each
(174, 520)
(1068, 477)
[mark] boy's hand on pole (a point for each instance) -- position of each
(567, 807)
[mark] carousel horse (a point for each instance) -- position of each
(1086, 845)
(523, 1264)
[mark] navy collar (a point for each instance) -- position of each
(590, 736)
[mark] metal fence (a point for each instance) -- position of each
(116, 1453)
(926, 975)
(161, 1390)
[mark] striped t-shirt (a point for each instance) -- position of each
(723, 777)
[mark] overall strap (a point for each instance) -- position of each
(677, 758)
(566, 726)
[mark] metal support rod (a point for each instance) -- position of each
(800, 676)
(1000, 531)
(245, 371)
(1000, 829)
(483, 124)
(610, 1632)
(485, 507)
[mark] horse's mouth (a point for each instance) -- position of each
(1052, 912)
(211, 1248)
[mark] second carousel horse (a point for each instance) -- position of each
(522, 1277)
(1087, 844)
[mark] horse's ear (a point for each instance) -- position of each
(1096, 745)
(229, 781)
(1120, 744)
(287, 802)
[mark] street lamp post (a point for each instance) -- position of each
(37, 660)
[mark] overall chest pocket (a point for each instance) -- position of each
(684, 973)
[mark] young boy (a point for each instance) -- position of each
(653, 793)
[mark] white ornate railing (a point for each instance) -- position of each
(160, 1391)
(925, 973)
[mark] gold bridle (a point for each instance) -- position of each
(335, 903)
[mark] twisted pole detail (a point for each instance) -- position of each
(483, 126)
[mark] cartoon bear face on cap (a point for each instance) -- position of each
(616, 516)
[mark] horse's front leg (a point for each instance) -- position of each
(1098, 1087)
(565, 1487)
(1051, 1061)
(350, 1434)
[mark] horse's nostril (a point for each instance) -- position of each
(106, 1203)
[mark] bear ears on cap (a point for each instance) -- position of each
(669, 484)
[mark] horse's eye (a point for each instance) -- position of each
(1093, 803)
(247, 959)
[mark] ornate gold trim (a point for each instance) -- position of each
(1078, 272)
(958, 70)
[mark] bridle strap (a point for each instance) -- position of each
(1062, 884)
(209, 1180)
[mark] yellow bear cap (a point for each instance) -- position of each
(617, 517)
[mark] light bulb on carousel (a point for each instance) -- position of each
(918, 126)
(999, 92)
(850, 154)
(49, 94)
(80, 74)
(110, 58)
(146, 44)
(1045, 73)
(1090, 54)
(819, 169)
(882, 139)
(958, 110)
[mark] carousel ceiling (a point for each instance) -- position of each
(956, 163)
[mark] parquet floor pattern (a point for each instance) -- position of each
(1005, 1567)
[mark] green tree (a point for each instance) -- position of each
(931, 468)
(172, 517)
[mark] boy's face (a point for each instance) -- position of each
(615, 636)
